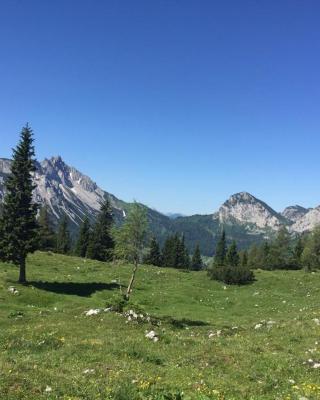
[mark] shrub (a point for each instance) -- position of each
(238, 275)
(117, 303)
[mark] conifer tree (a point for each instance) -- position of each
(83, 238)
(63, 244)
(311, 254)
(169, 252)
(101, 244)
(232, 256)
(280, 251)
(19, 230)
(47, 237)
(244, 258)
(196, 263)
(221, 250)
(180, 256)
(265, 256)
(154, 255)
(297, 252)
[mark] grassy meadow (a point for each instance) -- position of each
(259, 341)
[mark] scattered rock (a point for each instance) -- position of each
(152, 336)
(88, 371)
(13, 290)
(93, 311)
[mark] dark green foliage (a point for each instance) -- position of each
(154, 255)
(310, 257)
(169, 251)
(232, 275)
(221, 250)
(63, 244)
(175, 253)
(243, 258)
(280, 251)
(232, 256)
(254, 256)
(182, 258)
(226, 267)
(19, 229)
(277, 254)
(297, 252)
(101, 244)
(83, 238)
(197, 263)
(47, 237)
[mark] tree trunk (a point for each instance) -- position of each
(129, 289)
(22, 272)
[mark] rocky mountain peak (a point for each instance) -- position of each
(244, 208)
(293, 213)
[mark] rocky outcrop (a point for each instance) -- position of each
(294, 213)
(244, 208)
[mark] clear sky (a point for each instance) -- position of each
(176, 103)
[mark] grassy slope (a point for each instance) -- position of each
(52, 342)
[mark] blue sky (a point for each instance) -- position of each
(175, 103)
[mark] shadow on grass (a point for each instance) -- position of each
(184, 322)
(74, 288)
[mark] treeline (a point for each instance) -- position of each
(287, 252)
(93, 241)
(229, 265)
(174, 254)
(97, 242)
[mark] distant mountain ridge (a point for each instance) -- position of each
(245, 218)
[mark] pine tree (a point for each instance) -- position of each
(47, 237)
(169, 252)
(196, 263)
(83, 238)
(221, 250)
(280, 251)
(265, 256)
(254, 256)
(154, 255)
(19, 230)
(101, 244)
(232, 256)
(244, 258)
(180, 250)
(63, 244)
(311, 254)
(297, 253)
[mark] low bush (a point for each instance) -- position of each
(231, 275)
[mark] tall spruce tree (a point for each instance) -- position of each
(169, 251)
(232, 256)
(221, 250)
(243, 254)
(297, 253)
(280, 250)
(101, 244)
(181, 259)
(83, 239)
(63, 243)
(19, 230)
(47, 237)
(196, 263)
(154, 255)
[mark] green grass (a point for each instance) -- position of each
(46, 340)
